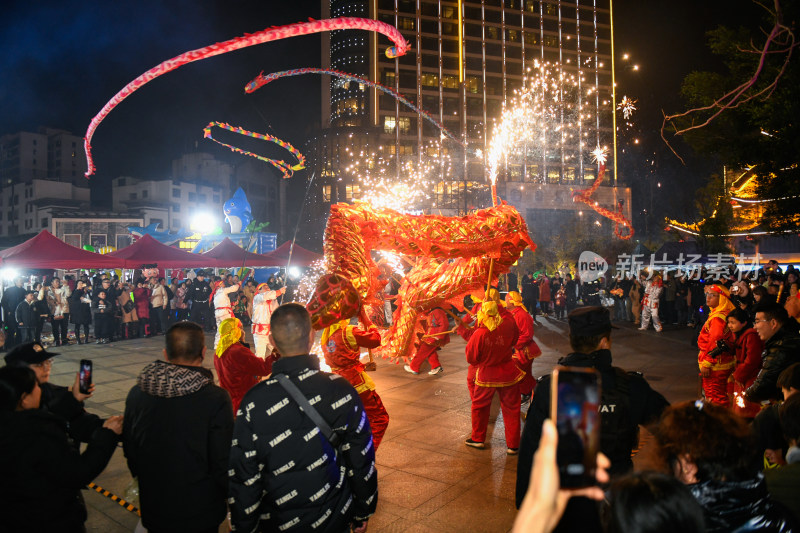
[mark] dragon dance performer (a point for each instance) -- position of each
(716, 363)
(526, 349)
(222, 305)
(434, 339)
(467, 326)
(490, 351)
(264, 303)
(237, 367)
(341, 345)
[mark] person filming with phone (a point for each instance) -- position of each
(66, 403)
(42, 472)
(626, 401)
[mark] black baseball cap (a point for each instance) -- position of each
(30, 353)
(590, 321)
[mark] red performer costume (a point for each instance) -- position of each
(237, 367)
(489, 350)
(340, 344)
(716, 370)
(466, 329)
(526, 349)
(434, 338)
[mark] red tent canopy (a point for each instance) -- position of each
(300, 256)
(148, 251)
(48, 251)
(229, 254)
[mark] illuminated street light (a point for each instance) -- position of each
(202, 223)
(9, 274)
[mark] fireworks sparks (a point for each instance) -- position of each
(600, 154)
(382, 184)
(738, 398)
(548, 120)
(627, 106)
(308, 283)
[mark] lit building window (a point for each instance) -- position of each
(327, 193)
(352, 192)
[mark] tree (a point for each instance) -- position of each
(757, 120)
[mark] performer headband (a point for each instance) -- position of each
(261, 286)
(720, 289)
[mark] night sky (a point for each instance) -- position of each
(62, 61)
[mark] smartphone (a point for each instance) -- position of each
(574, 405)
(85, 376)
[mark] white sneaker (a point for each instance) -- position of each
(437, 370)
(408, 369)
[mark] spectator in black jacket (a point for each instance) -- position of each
(627, 401)
(284, 473)
(781, 349)
(42, 472)
(80, 306)
(65, 403)
(11, 299)
(25, 315)
(178, 437)
(200, 293)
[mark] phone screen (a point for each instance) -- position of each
(574, 408)
(85, 376)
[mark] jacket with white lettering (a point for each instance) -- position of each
(284, 474)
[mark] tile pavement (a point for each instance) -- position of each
(429, 480)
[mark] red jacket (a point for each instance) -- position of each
(491, 354)
(238, 370)
(544, 290)
(526, 347)
(141, 298)
(437, 323)
(748, 357)
(713, 330)
(342, 353)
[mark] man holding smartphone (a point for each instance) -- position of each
(626, 402)
(65, 403)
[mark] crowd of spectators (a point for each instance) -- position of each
(109, 309)
(680, 301)
(725, 466)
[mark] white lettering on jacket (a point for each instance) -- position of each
(283, 436)
(279, 405)
(284, 499)
(337, 404)
(283, 469)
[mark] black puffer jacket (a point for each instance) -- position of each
(780, 351)
(741, 507)
(42, 474)
(177, 437)
(80, 312)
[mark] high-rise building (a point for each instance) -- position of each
(49, 154)
(469, 59)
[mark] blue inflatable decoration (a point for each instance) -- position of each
(238, 212)
(164, 237)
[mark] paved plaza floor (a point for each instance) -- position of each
(428, 479)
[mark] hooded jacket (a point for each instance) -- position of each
(741, 507)
(176, 438)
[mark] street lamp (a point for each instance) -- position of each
(202, 223)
